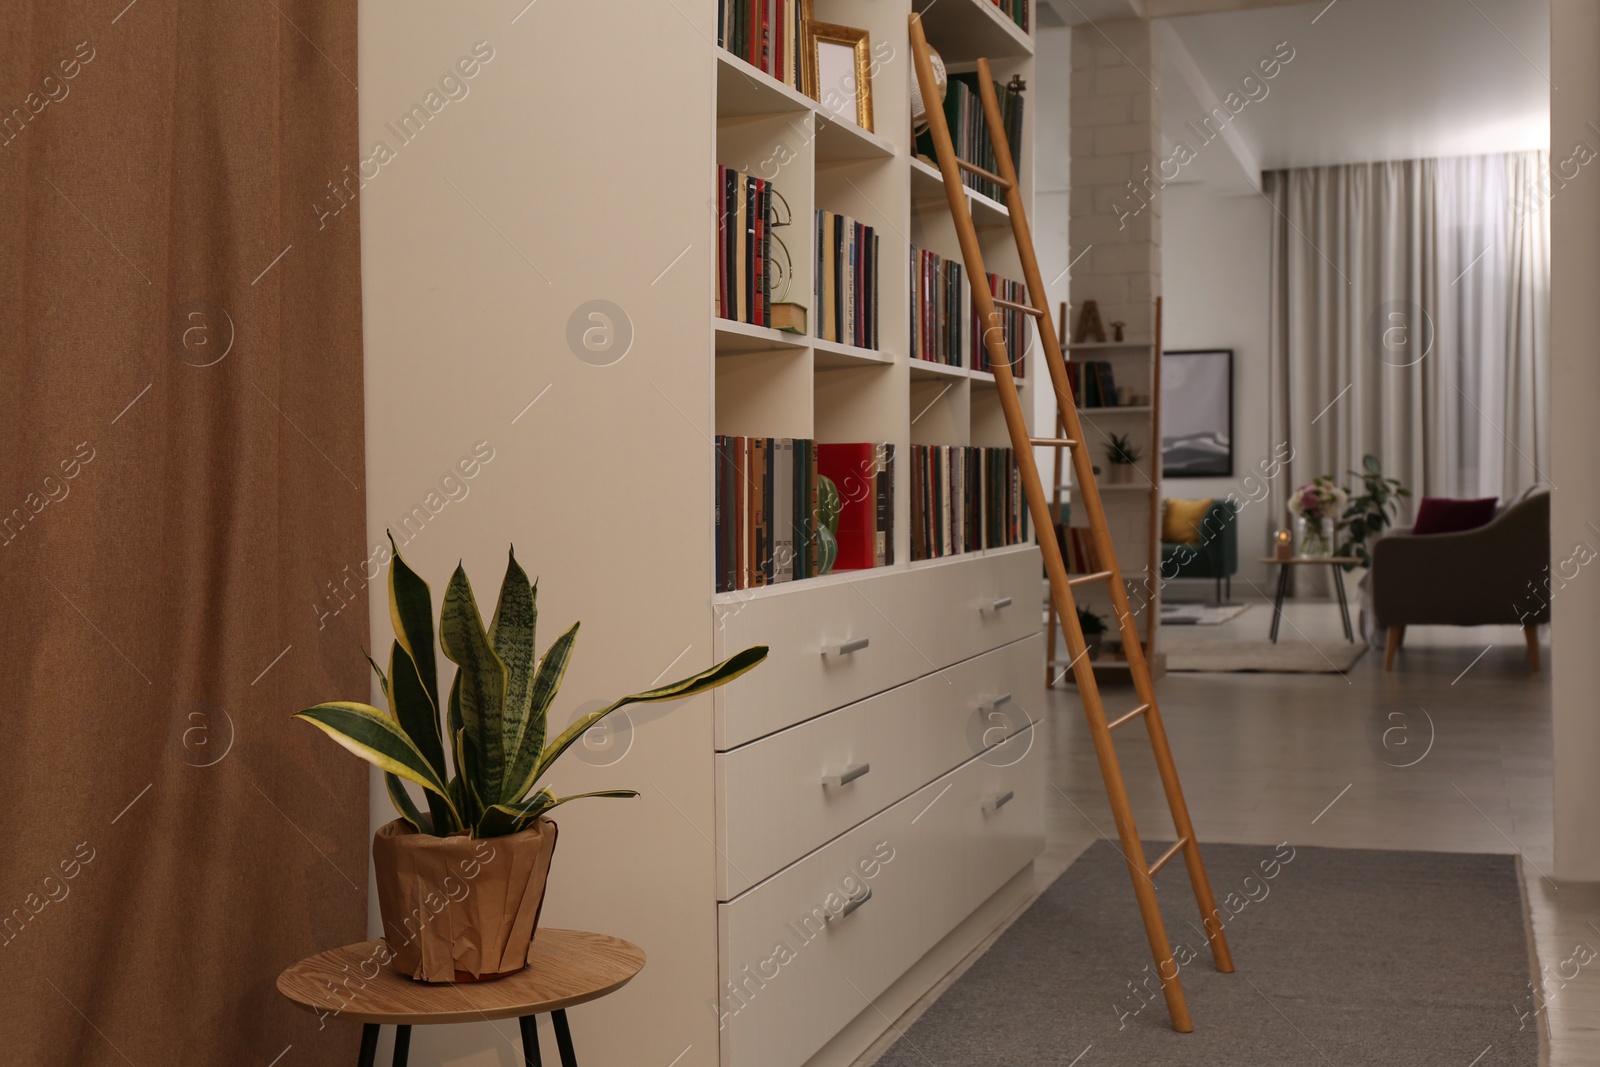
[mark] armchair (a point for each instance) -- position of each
(1216, 556)
(1496, 574)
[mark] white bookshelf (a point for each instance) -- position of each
(580, 168)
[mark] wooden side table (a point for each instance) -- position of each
(566, 967)
(1310, 561)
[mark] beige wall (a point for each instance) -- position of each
(1575, 441)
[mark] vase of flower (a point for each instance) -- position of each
(1315, 506)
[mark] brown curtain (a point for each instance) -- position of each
(181, 526)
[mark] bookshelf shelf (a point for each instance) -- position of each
(927, 191)
(927, 369)
(1111, 347)
(831, 355)
(1117, 409)
(744, 90)
(839, 141)
(738, 338)
(967, 30)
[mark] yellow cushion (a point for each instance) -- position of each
(1180, 520)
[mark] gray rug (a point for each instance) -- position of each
(1285, 657)
(1349, 957)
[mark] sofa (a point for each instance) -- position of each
(1215, 554)
(1495, 574)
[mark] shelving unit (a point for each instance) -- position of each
(1133, 510)
(593, 138)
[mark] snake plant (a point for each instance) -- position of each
(497, 709)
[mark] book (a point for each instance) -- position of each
(863, 472)
(788, 317)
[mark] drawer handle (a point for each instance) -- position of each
(994, 804)
(853, 905)
(998, 605)
(846, 776)
(844, 648)
(996, 704)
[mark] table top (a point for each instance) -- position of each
(566, 967)
(1325, 561)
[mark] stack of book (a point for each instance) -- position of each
(1013, 326)
(963, 111)
(964, 499)
(1077, 549)
(767, 35)
(1092, 383)
(863, 472)
(744, 247)
(1015, 10)
(766, 511)
(846, 280)
(938, 302)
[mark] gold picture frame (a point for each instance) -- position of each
(835, 79)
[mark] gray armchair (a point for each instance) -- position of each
(1496, 574)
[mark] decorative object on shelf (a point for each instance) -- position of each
(919, 110)
(1370, 511)
(829, 506)
(1116, 330)
(1122, 454)
(1124, 396)
(1282, 545)
(1089, 328)
(486, 826)
(780, 264)
(1197, 413)
(1094, 631)
(839, 69)
(1316, 507)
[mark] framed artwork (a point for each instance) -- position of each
(1197, 413)
(839, 72)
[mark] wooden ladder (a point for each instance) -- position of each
(1022, 444)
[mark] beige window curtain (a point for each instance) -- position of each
(181, 513)
(1410, 320)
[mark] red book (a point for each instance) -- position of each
(853, 470)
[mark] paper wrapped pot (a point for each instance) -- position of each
(459, 909)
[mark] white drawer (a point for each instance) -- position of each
(975, 605)
(979, 703)
(780, 797)
(808, 670)
(912, 621)
(791, 977)
(772, 798)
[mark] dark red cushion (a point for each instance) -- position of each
(1441, 514)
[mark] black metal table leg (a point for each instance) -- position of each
(402, 1045)
(1344, 604)
(530, 1040)
(1277, 605)
(569, 1058)
(369, 1045)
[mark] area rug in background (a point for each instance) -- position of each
(1343, 956)
(1200, 614)
(1284, 657)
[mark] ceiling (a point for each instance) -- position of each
(1369, 79)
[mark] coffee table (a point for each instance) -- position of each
(1311, 561)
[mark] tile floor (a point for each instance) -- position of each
(1451, 751)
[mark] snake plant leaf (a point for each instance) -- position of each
(376, 738)
(479, 692)
(503, 819)
(721, 674)
(468, 777)
(411, 612)
(530, 743)
(383, 680)
(419, 718)
(406, 806)
(512, 635)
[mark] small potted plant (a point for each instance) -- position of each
(1094, 631)
(1121, 454)
(460, 885)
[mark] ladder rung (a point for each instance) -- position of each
(1027, 309)
(1053, 442)
(973, 168)
(1085, 579)
(1171, 852)
(1134, 714)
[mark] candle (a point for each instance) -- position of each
(1281, 548)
